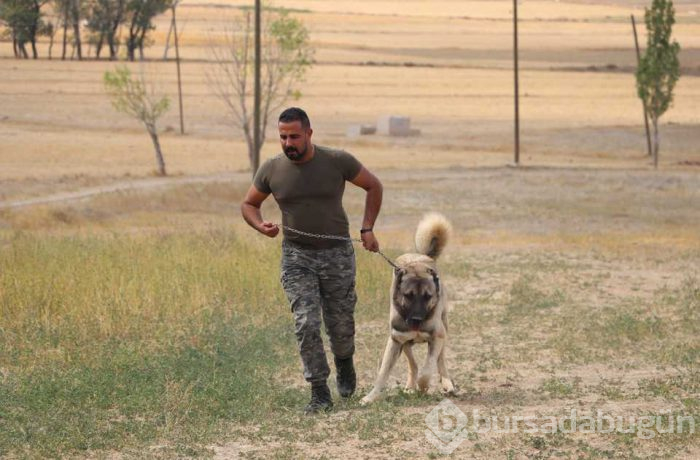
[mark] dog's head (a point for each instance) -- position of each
(416, 293)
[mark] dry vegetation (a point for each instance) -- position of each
(574, 280)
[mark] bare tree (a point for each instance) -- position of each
(286, 55)
(137, 99)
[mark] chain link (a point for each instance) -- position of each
(323, 237)
(335, 237)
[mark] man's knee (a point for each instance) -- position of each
(344, 347)
(307, 318)
(341, 332)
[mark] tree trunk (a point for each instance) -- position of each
(33, 29)
(167, 40)
(98, 46)
(142, 39)
(131, 41)
(251, 157)
(655, 122)
(131, 47)
(65, 34)
(23, 50)
(76, 28)
(159, 154)
(53, 34)
(15, 48)
(251, 145)
(112, 37)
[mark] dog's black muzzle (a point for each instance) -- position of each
(416, 315)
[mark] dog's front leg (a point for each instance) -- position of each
(391, 353)
(412, 367)
(430, 367)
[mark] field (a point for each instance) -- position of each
(139, 317)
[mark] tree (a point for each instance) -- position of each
(130, 96)
(76, 10)
(140, 14)
(659, 68)
(286, 55)
(72, 13)
(24, 21)
(105, 18)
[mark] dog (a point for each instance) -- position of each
(418, 311)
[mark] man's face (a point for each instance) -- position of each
(295, 140)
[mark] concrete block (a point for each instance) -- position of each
(392, 125)
(360, 130)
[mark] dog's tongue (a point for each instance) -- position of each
(414, 325)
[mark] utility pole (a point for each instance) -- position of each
(256, 112)
(179, 79)
(517, 88)
(646, 117)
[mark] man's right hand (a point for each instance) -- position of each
(268, 229)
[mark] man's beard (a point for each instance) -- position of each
(293, 154)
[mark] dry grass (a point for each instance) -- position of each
(58, 123)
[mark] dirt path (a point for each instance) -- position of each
(134, 184)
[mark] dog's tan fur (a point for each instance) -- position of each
(416, 290)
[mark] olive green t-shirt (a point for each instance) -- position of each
(310, 195)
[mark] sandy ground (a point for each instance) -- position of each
(444, 64)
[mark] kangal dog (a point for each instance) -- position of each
(418, 310)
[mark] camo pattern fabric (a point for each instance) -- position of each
(320, 283)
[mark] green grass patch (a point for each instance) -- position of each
(558, 387)
(125, 396)
(527, 300)
(113, 343)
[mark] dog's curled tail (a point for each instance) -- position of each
(432, 234)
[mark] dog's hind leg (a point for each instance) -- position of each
(412, 367)
(445, 380)
(391, 353)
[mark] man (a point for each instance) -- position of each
(317, 274)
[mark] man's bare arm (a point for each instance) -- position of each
(373, 203)
(250, 210)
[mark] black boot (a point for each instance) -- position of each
(320, 399)
(345, 376)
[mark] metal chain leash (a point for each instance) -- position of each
(335, 237)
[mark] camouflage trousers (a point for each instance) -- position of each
(320, 283)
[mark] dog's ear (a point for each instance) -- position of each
(399, 273)
(436, 280)
(396, 295)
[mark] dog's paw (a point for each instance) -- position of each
(424, 382)
(447, 386)
(369, 399)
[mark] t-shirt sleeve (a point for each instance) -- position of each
(349, 165)
(261, 181)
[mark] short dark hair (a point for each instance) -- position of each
(293, 114)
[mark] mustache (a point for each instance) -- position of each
(291, 149)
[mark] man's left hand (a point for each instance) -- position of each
(369, 241)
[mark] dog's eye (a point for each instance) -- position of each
(426, 296)
(409, 295)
